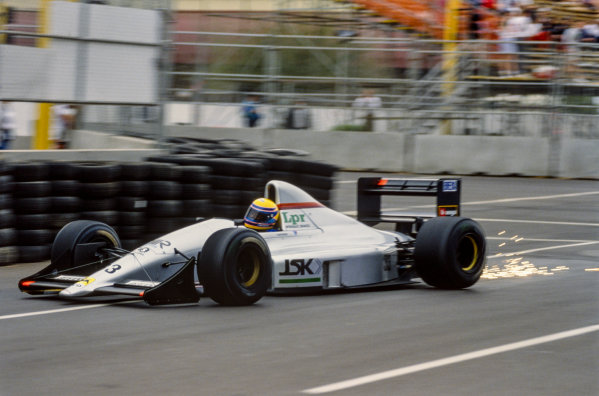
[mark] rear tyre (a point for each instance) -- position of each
(450, 252)
(235, 266)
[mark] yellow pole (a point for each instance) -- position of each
(3, 22)
(41, 138)
(450, 34)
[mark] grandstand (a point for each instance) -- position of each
(422, 17)
(426, 20)
(427, 17)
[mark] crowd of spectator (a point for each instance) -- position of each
(511, 22)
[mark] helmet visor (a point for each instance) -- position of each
(259, 216)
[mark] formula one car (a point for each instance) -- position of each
(313, 248)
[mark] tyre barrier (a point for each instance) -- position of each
(8, 234)
(132, 204)
(31, 204)
(315, 178)
(240, 171)
(142, 200)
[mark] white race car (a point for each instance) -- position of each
(313, 248)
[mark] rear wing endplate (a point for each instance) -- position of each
(371, 189)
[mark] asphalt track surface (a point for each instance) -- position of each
(529, 327)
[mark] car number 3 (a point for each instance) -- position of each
(113, 268)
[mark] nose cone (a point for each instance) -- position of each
(79, 289)
(71, 292)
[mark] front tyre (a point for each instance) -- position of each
(82, 232)
(450, 252)
(235, 267)
(79, 246)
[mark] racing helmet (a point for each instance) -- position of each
(262, 215)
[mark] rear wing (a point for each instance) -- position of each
(371, 190)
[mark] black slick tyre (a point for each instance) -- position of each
(30, 171)
(98, 172)
(82, 232)
(164, 208)
(8, 236)
(450, 252)
(103, 216)
(235, 266)
(136, 170)
(33, 254)
(8, 255)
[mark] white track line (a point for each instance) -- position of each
(51, 311)
(518, 199)
(450, 360)
(492, 201)
(542, 249)
(77, 308)
(504, 200)
(566, 223)
(492, 238)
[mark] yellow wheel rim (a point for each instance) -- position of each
(248, 267)
(255, 274)
(474, 254)
(108, 236)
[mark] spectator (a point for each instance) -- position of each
(558, 28)
(545, 26)
(7, 124)
(590, 33)
(474, 24)
(299, 116)
(490, 4)
(590, 5)
(571, 38)
(365, 103)
(63, 121)
(515, 26)
(250, 111)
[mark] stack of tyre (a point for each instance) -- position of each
(132, 204)
(8, 234)
(144, 200)
(164, 200)
(316, 178)
(32, 203)
(196, 193)
(65, 201)
(210, 147)
(234, 182)
(99, 187)
(232, 160)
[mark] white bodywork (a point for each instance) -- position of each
(314, 247)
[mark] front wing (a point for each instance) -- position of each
(177, 289)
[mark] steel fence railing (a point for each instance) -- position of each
(407, 74)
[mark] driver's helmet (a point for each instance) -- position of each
(262, 215)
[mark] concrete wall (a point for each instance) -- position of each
(349, 150)
(117, 155)
(397, 152)
(84, 139)
(493, 155)
(86, 146)
(101, 140)
(364, 151)
(579, 158)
